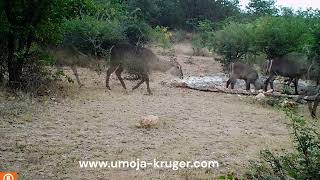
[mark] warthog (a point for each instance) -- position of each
(140, 62)
(292, 65)
(72, 57)
(244, 72)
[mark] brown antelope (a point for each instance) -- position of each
(72, 57)
(292, 65)
(140, 62)
(312, 95)
(244, 72)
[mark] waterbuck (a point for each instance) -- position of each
(244, 72)
(312, 95)
(72, 57)
(292, 65)
(139, 61)
(314, 73)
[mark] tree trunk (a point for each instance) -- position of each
(14, 67)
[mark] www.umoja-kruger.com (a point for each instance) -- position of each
(156, 164)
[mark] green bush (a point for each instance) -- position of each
(204, 35)
(179, 36)
(301, 164)
(89, 33)
(277, 36)
(233, 42)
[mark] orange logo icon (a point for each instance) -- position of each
(8, 176)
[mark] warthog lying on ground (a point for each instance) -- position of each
(244, 72)
(140, 62)
(72, 57)
(293, 66)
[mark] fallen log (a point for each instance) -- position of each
(220, 89)
(244, 92)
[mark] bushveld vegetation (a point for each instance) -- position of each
(95, 26)
(270, 35)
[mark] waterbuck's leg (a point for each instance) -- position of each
(295, 81)
(75, 72)
(310, 106)
(148, 86)
(118, 73)
(315, 105)
(231, 81)
(111, 69)
(247, 85)
(271, 82)
(228, 83)
(314, 110)
(267, 82)
(139, 84)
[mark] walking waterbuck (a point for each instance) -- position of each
(244, 72)
(292, 65)
(140, 62)
(72, 57)
(312, 95)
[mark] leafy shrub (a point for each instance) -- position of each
(161, 36)
(203, 37)
(90, 34)
(179, 36)
(301, 164)
(233, 42)
(277, 36)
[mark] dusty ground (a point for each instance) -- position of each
(95, 124)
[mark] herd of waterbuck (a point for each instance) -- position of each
(140, 61)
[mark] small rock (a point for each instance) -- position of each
(270, 91)
(261, 91)
(149, 121)
(260, 96)
(288, 104)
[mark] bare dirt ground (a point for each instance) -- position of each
(96, 124)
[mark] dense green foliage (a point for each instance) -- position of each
(234, 41)
(262, 7)
(91, 26)
(276, 36)
(185, 14)
(273, 36)
(94, 26)
(25, 22)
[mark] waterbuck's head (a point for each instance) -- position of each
(176, 69)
